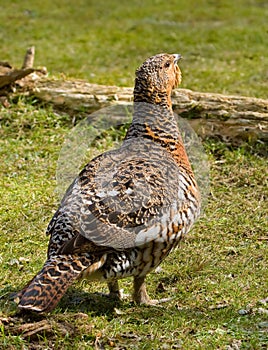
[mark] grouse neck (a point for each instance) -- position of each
(152, 96)
(159, 125)
(151, 118)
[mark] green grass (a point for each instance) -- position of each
(220, 269)
(224, 43)
(218, 276)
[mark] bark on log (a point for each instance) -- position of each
(9, 75)
(234, 119)
(15, 74)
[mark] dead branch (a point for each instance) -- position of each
(10, 75)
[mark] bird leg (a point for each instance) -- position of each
(114, 291)
(140, 295)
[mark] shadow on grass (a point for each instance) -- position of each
(79, 314)
(97, 304)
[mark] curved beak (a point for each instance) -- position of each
(177, 57)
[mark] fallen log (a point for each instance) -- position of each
(10, 75)
(234, 119)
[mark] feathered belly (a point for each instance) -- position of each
(141, 260)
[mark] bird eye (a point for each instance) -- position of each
(167, 64)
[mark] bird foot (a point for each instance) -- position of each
(118, 295)
(152, 302)
(157, 302)
(114, 292)
(140, 295)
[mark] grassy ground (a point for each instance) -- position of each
(224, 43)
(218, 277)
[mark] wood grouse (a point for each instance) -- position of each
(129, 207)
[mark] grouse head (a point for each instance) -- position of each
(156, 78)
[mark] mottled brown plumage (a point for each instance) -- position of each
(129, 207)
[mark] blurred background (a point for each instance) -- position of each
(224, 43)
